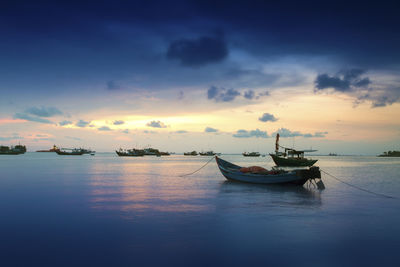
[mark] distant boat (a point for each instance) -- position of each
(151, 152)
(13, 150)
(54, 149)
(251, 154)
(193, 153)
(70, 151)
(88, 151)
(130, 152)
(291, 157)
(332, 154)
(207, 153)
(234, 172)
(390, 154)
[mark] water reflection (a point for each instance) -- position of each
(146, 186)
(272, 195)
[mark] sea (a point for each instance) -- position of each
(106, 210)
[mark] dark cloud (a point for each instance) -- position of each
(63, 123)
(24, 116)
(248, 134)
(249, 94)
(156, 124)
(43, 111)
(222, 94)
(113, 85)
(210, 130)
(344, 81)
(118, 122)
(352, 83)
(198, 52)
(82, 123)
(267, 117)
(104, 128)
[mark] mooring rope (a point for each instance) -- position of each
(197, 169)
(357, 187)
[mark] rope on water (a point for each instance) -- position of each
(357, 187)
(197, 169)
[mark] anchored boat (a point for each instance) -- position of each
(251, 154)
(247, 175)
(130, 152)
(291, 157)
(13, 150)
(70, 152)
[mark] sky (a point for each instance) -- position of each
(201, 75)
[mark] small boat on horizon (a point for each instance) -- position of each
(259, 175)
(251, 154)
(130, 152)
(208, 153)
(13, 150)
(193, 153)
(53, 149)
(70, 152)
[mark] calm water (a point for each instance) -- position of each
(108, 211)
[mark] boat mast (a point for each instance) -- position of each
(277, 143)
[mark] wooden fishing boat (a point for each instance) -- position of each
(292, 161)
(233, 172)
(291, 157)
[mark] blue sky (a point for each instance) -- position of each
(72, 69)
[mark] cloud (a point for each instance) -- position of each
(181, 95)
(126, 131)
(284, 132)
(149, 132)
(118, 122)
(249, 94)
(63, 123)
(82, 123)
(24, 116)
(113, 85)
(352, 83)
(73, 138)
(104, 128)
(344, 81)
(14, 136)
(267, 117)
(156, 124)
(43, 111)
(248, 134)
(222, 94)
(198, 52)
(181, 132)
(210, 130)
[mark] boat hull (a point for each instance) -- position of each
(296, 177)
(63, 153)
(124, 154)
(292, 162)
